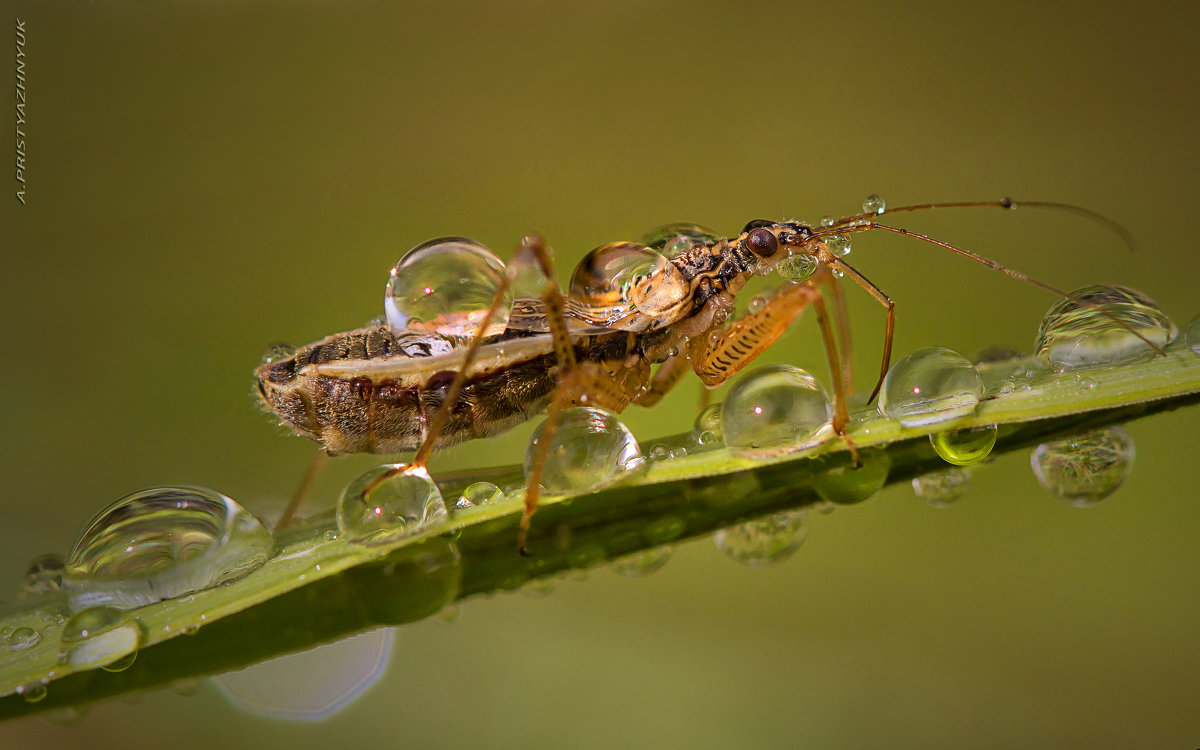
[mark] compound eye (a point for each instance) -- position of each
(757, 223)
(762, 242)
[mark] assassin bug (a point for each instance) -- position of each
(634, 321)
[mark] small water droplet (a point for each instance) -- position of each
(1085, 469)
(873, 204)
(679, 452)
(44, 575)
(161, 543)
(330, 535)
(706, 430)
(658, 453)
(773, 410)
(1074, 335)
(277, 353)
(479, 493)
(626, 286)
(838, 244)
(591, 449)
(964, 447)
(798, 267)
(33, 692)
(757, 304)
(23, 638)
(764, 541)
(930, 386)
(388, 502)
(1193, 334)
(444, 286)
(940, 488)
(674, 238)
(643, 563)
(100, 637)
(827, 221)
(847, 485)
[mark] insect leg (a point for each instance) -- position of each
(318, 462)
(843, 330)
(665, 378)
(889, 326)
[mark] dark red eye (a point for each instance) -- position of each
(762, 242)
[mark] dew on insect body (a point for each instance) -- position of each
(43, 576)
(849, 484)
(162, 543)
(100, 637)
(389, 502)
(478, 494)
(591, 449)
(1085, 469)
(1192, 337)
(930, 386)
(643, 563)
(798, 267)
(764, 541)
(838, 244)
(23, 638)
(674, 238)
(1074, 335)
(277, 353)
(940, 488)
(626, 286)
(706, 430)
(873, 204)
(445, 286)
(964, 447)
(773, 410)
(826, 221)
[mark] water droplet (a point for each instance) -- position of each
(940, 488)
(1074, 335)
(996, 354)
(1085, 469)
(479, 493)
(764, 541)
(389, 502)
(679, 452)
(826, 221)
(591, 449)
(838, 244)
(100, 637)
(873, 204)
(930, 386)
(277, 353)
(643, 563)
(44, 575)
(23, 638)
(773, 410)
(658, 453)
(706, 430)
(847, 485)
(161, 543)
(627, 286)
(444, 286)
(663, 530)
(33, 692)
(757, 303)
(1193, 334)
(670, 239)
(964, 447)
(798, 267)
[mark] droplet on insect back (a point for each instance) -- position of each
(445, 286)
(930, 386)
(848, 484)
(674, 238)
(798, 267)
(617, 280)
(643, 563)
(1193, 334)
(590, 449)
(1085, 469)
(100, 637)
(873, 204)
(277, 353)
(44, 575)
(706, 430)
(773, 410)
(162, 543)
(940, 488)
(764, 541)
(1073, 334)
(479, 493)
(838, 244)
(23, 638)
(389, 502)
(964, 447)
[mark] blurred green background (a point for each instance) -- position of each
(205, 179)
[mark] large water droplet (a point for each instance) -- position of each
(873, 204)
(764, 541)
(706, 430)
(798, 267)
(838, 244)
(1085, 469)
(161, 543)
(964, 447)
(848, 484)
(445, 286)
(617, 281)
(773, 410)
(940, 488)
(591, 449)
(44, 575)
(23, 638)
(670, 239)
(1074, 335)
(100, 637)
(1193, 334)
(389, 502)
(930, 386)
(643, 563)
(479, 493)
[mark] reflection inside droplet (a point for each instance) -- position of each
(1101, 324)
(1085, 469)
(591, 449)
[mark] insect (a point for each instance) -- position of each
(633, 322)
